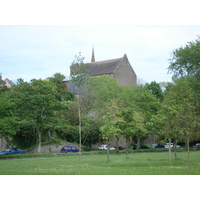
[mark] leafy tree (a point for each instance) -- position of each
(9, 122)
(168, 116)
(179, 108)
(108, 130)
(109, 127)
(78, 73)
(101, 91)
(194, 83)
(91, 131)
(142, 101)
(36, 103)
(64, 95)
(140, 127)
(185, 61)
(155, 89)
(132, 124)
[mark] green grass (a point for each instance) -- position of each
(154, 163)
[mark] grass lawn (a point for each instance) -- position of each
(154, 163)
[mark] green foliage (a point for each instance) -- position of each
(132, 124)
(185, 61)
(78, 71)
(68, 132)
(108, 130)
(52, 141)
(155, 89)
(35, 103)
(110, 117)
(140, 99)
(57, 80)
(90, 131)
(25, 137)
(179, 112)
(101, 91)
(9, 122)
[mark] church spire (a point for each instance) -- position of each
(93, 58)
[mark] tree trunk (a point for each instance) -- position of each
(138, 142)
(174, 147)
(80, 146)
(0, 143)
(79, 116)
(169, 155)
(117, 146)
(39, 139)
(49, 133)
(126, 147)
(188, 152)
(108, 151)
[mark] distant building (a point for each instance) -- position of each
(118, 68)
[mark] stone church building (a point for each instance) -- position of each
(118, 68)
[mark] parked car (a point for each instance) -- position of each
(172, 145)
(105, 147)
(142, 146)
(12, 151)
(67, 149)
(156, 145)
(197, 145)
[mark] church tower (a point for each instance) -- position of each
(93, 58)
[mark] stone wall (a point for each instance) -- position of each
(53, 147)
(152, 139)
(125, 74)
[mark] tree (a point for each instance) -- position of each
(155, 89)
(108, 130)
(9, 122)
(179, 108)
(142, 101)
(185, 61)
(101, 91)
(168, 116)
(132, 124)
(78, 74)
(90, 131)
(36, 103)
(64, 95)
(109, 127)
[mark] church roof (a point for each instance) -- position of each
(103, 67)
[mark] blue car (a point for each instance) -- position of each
(12, 151)
(66, 149)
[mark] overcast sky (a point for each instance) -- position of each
(29, 52)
